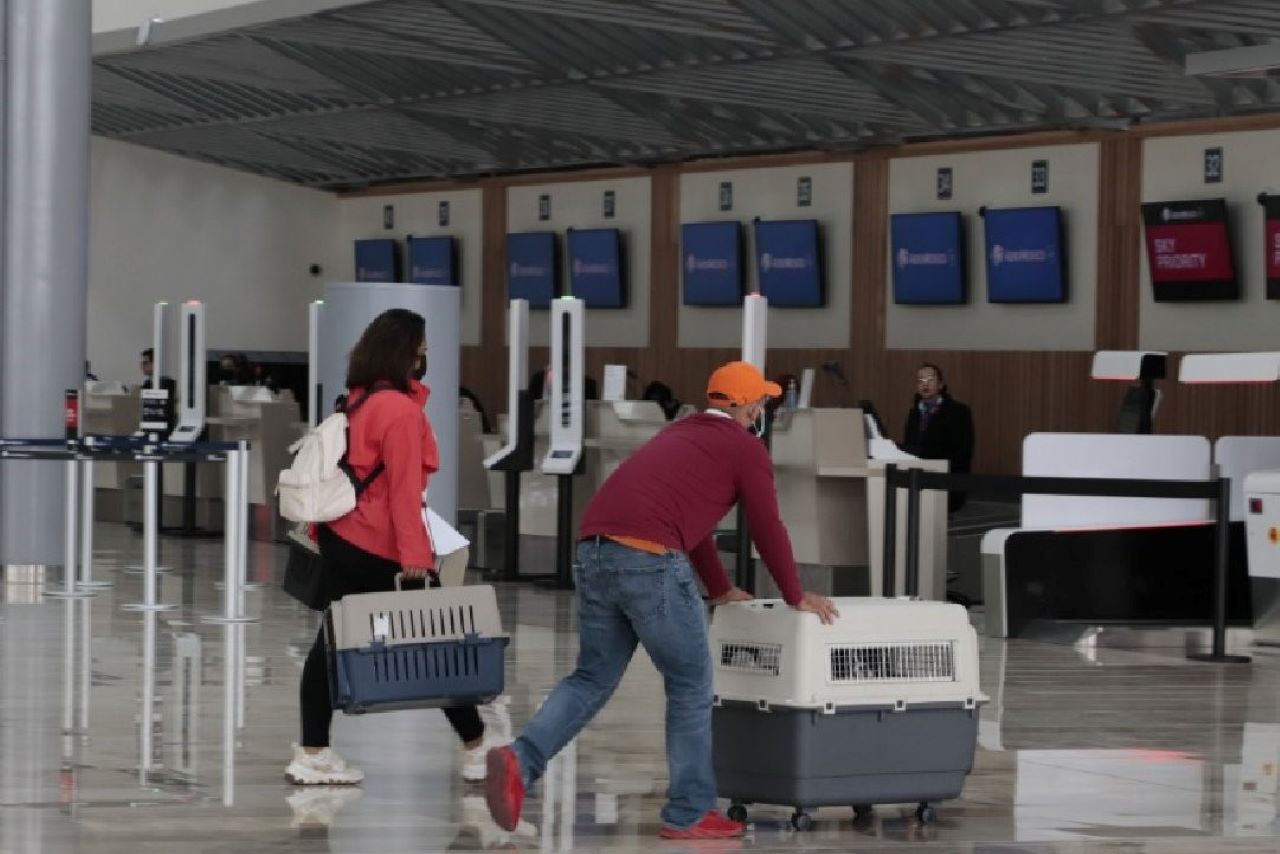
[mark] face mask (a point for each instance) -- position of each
(419, 368)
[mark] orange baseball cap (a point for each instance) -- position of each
(740, 383)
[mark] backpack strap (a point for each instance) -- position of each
(348, 408)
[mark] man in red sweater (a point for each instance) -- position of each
(645, 532)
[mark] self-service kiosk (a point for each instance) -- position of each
(564, 454)
(755, 331)
(516, 456)
(156, 405)
(192, 380)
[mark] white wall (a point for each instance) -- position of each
(165, 228)
(1001, 179)
(581, 205)
(1173, 169)
(771, 194)
(418, 214)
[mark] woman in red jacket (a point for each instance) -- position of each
(385, 534)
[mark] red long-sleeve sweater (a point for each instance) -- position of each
(676, 487)
(391, 428)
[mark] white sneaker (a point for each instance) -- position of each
(317, 806)
(325, 768)
(474, 766)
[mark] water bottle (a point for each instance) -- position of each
(790, 399)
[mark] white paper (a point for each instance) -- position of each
(444, 538)
(615, 382)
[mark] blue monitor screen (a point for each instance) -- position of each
(432, 261)
(789, 263)
(377, 261)
(928, 258)
(531, 267)
(712, 253)
(1025, 261)
(595, 267)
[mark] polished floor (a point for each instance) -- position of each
(1082, 748)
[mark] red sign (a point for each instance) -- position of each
(1273, 249)
(71, 413)
(1189, 252)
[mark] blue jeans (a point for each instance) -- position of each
(628, 597)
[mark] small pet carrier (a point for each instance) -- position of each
(415, 649)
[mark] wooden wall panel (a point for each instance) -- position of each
(1011, 393)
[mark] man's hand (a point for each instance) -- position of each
(820, 605)
(734, 594)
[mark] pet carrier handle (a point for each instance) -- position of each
(433, 580)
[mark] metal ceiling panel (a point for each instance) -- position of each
(399, 89)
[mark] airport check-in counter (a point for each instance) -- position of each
(269, 422)
(831, 499)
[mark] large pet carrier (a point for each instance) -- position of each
(415, 649)
(880, 707)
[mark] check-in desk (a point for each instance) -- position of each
(269, 423)
(473, 480)
(620, 428)
(831, 499)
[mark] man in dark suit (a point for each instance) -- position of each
(167, 383)
(939, 427)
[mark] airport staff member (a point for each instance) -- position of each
(166, 383)
(645, 532)
(939, 427)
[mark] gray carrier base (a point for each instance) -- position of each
(854, 757)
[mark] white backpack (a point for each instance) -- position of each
(320, 485)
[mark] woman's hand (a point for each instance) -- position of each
(416, 573)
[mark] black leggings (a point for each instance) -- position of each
(349, 569)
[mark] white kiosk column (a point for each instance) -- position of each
(349, 308)
(755, 326)
(567, 394)
(42, 304)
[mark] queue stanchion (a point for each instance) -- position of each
(913, 533)
(87, 581)
(1222, 549)
(232, 597)
(150, 537)
(243, 505)
(71, 530)
(889, 544)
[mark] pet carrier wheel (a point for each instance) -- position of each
(926, 814)
(862, 812)
(737, 812)
(802, 821)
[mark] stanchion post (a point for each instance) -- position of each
(150, 538)
(564, 532)
(232, 545)
(245, 584)
(511, 527)
(889, 546)
(71, 530)
(1222, 558)
(913, 532)
(87, 581)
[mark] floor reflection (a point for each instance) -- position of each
(136, 732)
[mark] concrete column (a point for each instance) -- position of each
(46, 209)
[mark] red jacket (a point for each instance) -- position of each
(391, 428)
(678, 486)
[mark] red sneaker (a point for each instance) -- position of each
(710, 826)
(503, 787)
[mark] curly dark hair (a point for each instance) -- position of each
(387, 350)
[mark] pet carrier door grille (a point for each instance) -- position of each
(751, 657)
(423, 624)
(923, 661)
